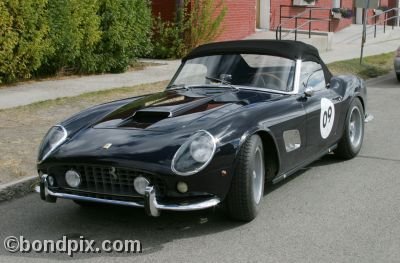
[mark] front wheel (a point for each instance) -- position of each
(398, 76)
(247, 188)
(350, 144)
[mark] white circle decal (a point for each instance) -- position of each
(327, 117)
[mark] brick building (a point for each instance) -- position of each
(245, 16)
(239, 22)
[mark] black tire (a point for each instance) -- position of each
(348, 148)
(241, 202)
(398, 76)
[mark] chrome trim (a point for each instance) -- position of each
(266, 90)
(61, 141)
(292, 140)
(150, 202)
(93, 199)
(43, 180)
(190, 207)
(203, 165)
(297, 75)
(44, 190)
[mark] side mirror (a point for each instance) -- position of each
(226, 77)
(309, 92)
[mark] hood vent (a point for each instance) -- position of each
(143, 119)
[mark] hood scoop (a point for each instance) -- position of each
(144, 118)
(170, 110)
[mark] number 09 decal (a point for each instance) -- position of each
(327, 117)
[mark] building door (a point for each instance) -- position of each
(263, 14)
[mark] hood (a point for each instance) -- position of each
(171, 110)
(146, 133)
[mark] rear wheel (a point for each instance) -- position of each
(398, 76)
(247, 189)
(350, 144)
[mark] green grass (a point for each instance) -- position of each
(372, 67)
(22, 128)
(93, 98)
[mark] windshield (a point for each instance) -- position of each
(259, 71)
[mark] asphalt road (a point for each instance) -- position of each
(333, 211)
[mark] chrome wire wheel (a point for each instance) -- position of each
(258, 175)
(355, 127)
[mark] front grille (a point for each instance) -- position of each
(104, 181)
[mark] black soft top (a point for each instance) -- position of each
(282, 48)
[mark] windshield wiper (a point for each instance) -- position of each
(222, 81)
(177, 87)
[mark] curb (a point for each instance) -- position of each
(380, 78)
(18, 188)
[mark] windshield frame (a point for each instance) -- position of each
(294, 91)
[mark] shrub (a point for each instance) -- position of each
(74, 34)
(126, 27)
(84, 36)
(204, 19)
(168, 39)
(23, 37)
(96, 36)
(197, 22)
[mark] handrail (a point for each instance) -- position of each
(279, 27)
(286, 21)
(386, 19)
(309, 19)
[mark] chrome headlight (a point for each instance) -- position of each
(195, 154)
(54, 138)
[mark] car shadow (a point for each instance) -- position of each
(38, 220)
(326, 160)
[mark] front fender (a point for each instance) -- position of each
(89, 116)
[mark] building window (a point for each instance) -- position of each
(336, 3)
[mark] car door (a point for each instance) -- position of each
(289, 131)
(322, 106)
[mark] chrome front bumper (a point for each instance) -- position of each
(151, 205)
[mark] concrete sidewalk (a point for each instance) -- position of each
(35, 91)
(344, 45)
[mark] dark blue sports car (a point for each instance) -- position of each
(235, 116)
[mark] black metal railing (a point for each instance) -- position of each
(394, 14)
(306, 15)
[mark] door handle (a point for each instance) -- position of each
(339, 98)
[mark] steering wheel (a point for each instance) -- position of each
(276, 81)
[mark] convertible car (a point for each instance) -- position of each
(235, 116)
